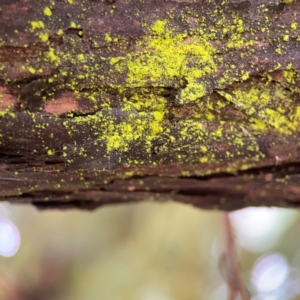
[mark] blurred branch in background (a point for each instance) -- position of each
(229, 263)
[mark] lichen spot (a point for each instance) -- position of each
(168, 55)
(294, 25)
(31, 70)
(108, 38)
(159, 27)
(37, 25)
(50, 152)
(80, 57)
(43, 36)
(51, 56)
(47, 12)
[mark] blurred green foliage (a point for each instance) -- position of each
(146, 251)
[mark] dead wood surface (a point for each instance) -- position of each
(125, 101)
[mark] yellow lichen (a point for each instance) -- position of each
(186, 62)
(289, 75)
(31, 70)
(51, 56)
(108, 38)
(47, 12)
(286, 38)
(43, 36)
(50, 152)
(80, 57)
(258, 102)
(144, 122)
(294, 25)
(167, 56)
(37, 25)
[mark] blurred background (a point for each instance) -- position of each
(146, 251)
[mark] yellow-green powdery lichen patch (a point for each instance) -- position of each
(267, 104)
(144, 116)
(189, 64)
(169, 56)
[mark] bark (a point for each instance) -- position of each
(124, 101)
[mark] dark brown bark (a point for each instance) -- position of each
(125, 101)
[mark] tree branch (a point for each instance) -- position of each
(191, 101)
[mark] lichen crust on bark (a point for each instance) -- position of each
(91, 91)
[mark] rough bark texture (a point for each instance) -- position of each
(120, 101)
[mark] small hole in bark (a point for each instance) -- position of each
(110, 1)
